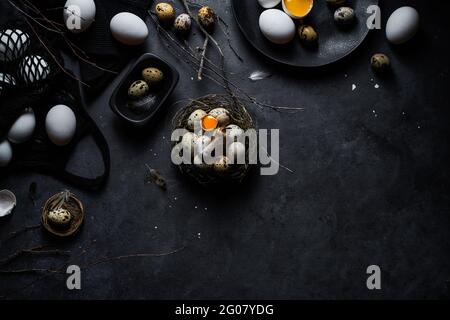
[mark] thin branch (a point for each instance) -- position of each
(20, 231)
(33, 251)
(202, 59)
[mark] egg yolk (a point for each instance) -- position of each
(209, 123)
(299, 8)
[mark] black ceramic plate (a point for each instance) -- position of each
(120, 101)
(334, 43)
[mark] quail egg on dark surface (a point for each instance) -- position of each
(138, 89)
(207, 17)
(152, 75)
(308, 34)
(344, 16)
(165, 12)
(183, 23)
(380, 62)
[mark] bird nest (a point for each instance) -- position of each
(207, 174)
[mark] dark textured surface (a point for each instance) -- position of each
(370, 187)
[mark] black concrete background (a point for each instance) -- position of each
(370, 186)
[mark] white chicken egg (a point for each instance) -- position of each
(277, 26)
(33, 68)
(402, 25)
(233, 133)
(128, 28)
(195, 120)
(13, 44)
(6, 153)
(79, 15)
(22, 130)
(236, 153)
(61, 124)
(267, 4)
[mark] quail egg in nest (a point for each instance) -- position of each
(165, 12)
(308, 34)
(138, 89)
(207, 17)
(380, 62)
(183, 23)
(60, 217)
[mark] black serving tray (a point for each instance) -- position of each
(119, 100)
(334, 43)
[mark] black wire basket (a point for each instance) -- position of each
(27, 60)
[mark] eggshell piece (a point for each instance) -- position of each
(22, 130)
(6, 153)
(402, 25)
(60, 124)
(277, 26)
(128, 28)
(79, 15)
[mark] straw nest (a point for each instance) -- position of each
(206, 174)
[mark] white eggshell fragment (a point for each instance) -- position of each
(79, 15)
(128, 28)
(5, 153)
(33, 68)
(7, 203)
(277, 26)
(13, 44)
(402, 25)
(22, 130)
(267, 4)
(60, 124)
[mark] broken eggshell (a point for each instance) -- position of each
(7, 203)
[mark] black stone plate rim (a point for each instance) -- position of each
(152, 114)
(234, 4)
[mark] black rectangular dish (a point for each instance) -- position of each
(120, 102)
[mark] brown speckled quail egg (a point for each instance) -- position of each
(152, 75)
(59, 217)
(307, 34)
(222, 115)
(207, 17)
(380, 62)
(344, 16)
(183, 23)
(195, 119)
(138, 89)
(222, 164)
(165, 12)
